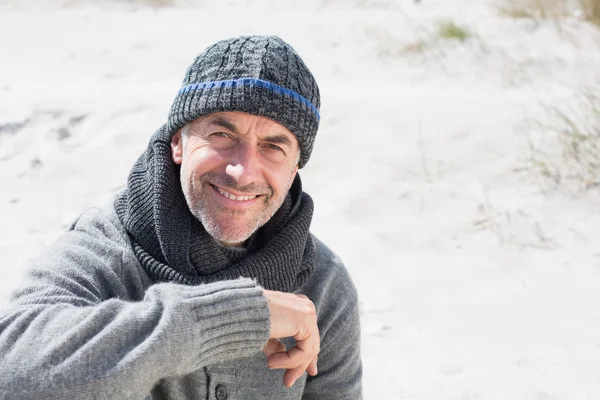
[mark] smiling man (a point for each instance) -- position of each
(260, 159)
(201, 279)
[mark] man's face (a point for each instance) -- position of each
(236, 169)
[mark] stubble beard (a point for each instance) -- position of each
(229, 226)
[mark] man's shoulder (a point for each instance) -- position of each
(330, 284)
(328, 264)
(88, 261)
(101, 223)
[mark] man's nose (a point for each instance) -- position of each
(244, 166)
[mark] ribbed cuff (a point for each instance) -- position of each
(232, 320)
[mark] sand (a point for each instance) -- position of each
(478, 277)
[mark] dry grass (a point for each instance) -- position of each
(426, 41)
(551, 9)
(570, 151)
(591, 10)
(157, 3)
(534, 9)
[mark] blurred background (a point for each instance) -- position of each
(456, 170)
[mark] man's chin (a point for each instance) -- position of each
(230, 239)
(227, 227)
(225, 233)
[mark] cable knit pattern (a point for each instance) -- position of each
(275, 83)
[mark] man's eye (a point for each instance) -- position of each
(274, 147)
(220, 134)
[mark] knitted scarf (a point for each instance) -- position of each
(172, 245)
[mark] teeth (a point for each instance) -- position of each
(232, 197)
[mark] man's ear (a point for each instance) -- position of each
(177, 147)
(293, 176)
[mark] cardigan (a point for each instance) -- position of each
(88, 322)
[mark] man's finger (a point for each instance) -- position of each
(273, 346)
(290, 359)
(292, 375)
(312, 367)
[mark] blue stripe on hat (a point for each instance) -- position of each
(253, 82)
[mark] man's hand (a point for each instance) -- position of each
(292, 315)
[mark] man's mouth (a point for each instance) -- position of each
(231, 196)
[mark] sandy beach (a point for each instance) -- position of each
(479, 276)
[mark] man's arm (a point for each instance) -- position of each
(71, 332)
(82, 325)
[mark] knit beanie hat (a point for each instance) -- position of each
(260, 75)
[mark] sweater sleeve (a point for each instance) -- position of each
(70, 331)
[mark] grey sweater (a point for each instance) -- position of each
(89, 323)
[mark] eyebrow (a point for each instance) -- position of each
(222, 122)
(275, 139)
(278, 139)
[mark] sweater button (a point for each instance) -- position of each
(221, 392)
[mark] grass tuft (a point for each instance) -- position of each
(450, 30)
(575, 133)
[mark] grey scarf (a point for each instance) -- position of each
(172, 245)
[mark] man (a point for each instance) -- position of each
(183, 285)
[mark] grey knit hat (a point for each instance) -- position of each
(260, 75)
